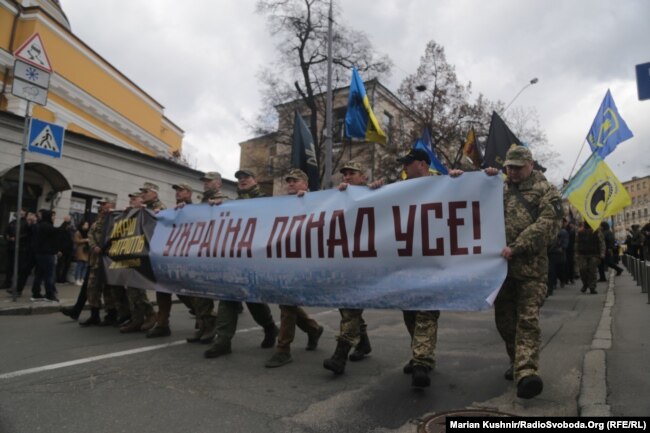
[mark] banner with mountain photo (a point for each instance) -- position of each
(421, 244)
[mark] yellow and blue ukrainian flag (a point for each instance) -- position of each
(360, 121)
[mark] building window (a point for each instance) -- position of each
(338, 125)
(387, 125)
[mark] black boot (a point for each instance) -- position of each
(270, 334)
(70, 312)
(110, 319)
(420, 376)
(93, 319)
(337, 362)
(362, 349)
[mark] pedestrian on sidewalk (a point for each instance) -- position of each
(610, 248)
(46, 247)
(81, 252)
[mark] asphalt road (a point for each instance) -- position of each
(172, 388)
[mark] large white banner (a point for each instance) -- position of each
(421, 244)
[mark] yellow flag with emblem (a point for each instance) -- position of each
(596, 192)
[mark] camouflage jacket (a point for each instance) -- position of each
(212, 194)
(590, 243)
(253, 192)
(96, 239)
(531, 228)
(155, 205)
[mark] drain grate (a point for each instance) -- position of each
(437, 423)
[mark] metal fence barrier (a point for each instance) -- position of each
(640, 271)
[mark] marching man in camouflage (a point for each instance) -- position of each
(590, 250)
(291, 315)
(203, 307)
(96, 286)
(353, 329)
(143, 317)
(228, 311)
(533, 213)
(151, 201)
(422, 326)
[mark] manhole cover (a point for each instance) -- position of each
(438, 423)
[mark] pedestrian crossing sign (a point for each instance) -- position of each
(45, 138)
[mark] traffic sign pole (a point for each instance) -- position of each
(19, 205)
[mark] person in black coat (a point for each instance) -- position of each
(45, 249)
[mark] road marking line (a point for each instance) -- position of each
(87, 360)
(114, 355)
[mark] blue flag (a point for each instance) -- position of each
(424, 143)
(360, 121)
(608, 128)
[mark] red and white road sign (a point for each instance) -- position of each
(33, 52)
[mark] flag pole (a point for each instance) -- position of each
(327, 180)
(576, 161)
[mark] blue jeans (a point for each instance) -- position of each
(80, 270)
(45, 273)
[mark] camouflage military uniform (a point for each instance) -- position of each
(529, 231)
(228, 311)
(96, 286)
(203, 307)
(590, 248)
(142, 312)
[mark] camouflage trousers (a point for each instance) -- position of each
(97, 289)
(228, 315)
(588, 266)
(139, 303)
(352, 326)
(423, 329)
(516, 313)
(290, 317)
(164, 301)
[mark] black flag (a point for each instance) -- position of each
(303, 152)
(499, 141)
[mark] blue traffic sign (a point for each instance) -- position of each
(45, 138)
(643, 81)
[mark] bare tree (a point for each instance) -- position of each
(524, 123)
(300, 73)
(441, 103)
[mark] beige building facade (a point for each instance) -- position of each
(269, 156)
(638, 212)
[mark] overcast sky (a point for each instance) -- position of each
(199, 58)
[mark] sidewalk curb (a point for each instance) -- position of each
(592, 399)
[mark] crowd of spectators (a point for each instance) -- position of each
(53, 254)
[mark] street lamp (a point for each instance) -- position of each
(530, 83)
